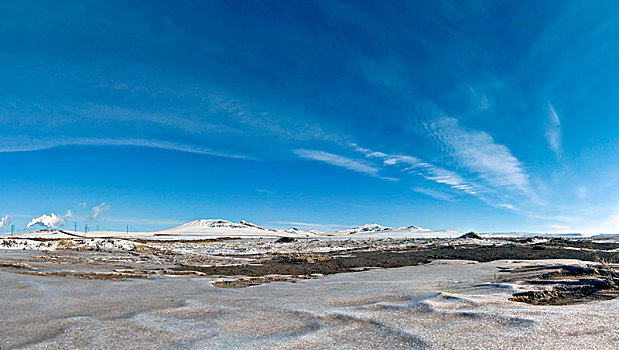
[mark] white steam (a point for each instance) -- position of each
(96, 210)
(5, 221)
(50, 221)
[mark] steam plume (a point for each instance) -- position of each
(50, 221)
(5, 221)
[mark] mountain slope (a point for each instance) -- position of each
(376, 230)
(224, 228)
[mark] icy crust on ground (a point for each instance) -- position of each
(241, 246)
(101, 244)
(443, 305)
(28, 244)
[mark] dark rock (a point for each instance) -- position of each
(286, 240)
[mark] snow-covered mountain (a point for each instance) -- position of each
(219, 228)
(224, 228)
(208, 228)
(367, 228)
(208, 224)
(380, 230)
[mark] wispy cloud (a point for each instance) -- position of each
(98, 209)
(359, 166)
(414, 165)
(477, 151)
(440, 175)
(433, 193)
(427, 170)
(22, 145)
(553, 131)
(507, 206)
(479, 99)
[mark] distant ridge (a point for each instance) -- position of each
(221, 228)
(531, 234)
(244, 228)
(376, 228)
(216, 223)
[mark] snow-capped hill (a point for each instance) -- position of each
(412, 227)
(376, 229)
(380, 231)
(216, 223)
(302, 233)
(213, 228)
(249, 224)
(367, 228)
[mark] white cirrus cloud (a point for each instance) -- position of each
(359, 166)
(50, 221)
(440, 175)
(98, 209)
(507, 206)
(427, 170)
(433, 193)
(24, 145)
(479, 153)
(553, 131)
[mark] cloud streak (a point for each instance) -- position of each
(553, 131)
(439, 175)
(479, 153)
(20, 145)
(433, 193)
(414, 165)
(339, 161)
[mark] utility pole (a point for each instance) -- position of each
(75, 225)
(12, 229)
(127, 229)
(86, 228)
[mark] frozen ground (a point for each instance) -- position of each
(443, 305)
(109, 293)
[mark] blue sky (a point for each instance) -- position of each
(478, 115)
